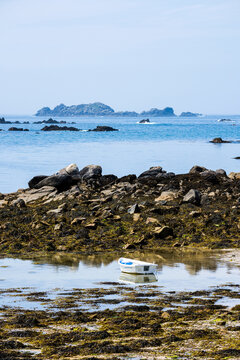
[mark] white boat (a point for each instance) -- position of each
(136, 266)
(137, 278)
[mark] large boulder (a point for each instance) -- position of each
(197, 169)
(210, 176)
(35, 180)
(71, 170)
(153, 171)
(108, 179)
(221, 172)
(193, 197)
(61, 182)
(90, 172)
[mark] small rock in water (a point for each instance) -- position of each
(17, 129)
(104, 128)
(219, 141)
(59, 128)
(144, 121)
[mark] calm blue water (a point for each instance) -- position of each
(174, 143)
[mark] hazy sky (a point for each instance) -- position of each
(129, 54)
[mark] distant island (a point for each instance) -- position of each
(99, 109)
(189, 114)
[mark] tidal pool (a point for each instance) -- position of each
(178, 271)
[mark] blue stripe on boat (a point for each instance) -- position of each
(126, 263)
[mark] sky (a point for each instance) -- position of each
(129, 54)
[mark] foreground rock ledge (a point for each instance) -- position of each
(84, 211)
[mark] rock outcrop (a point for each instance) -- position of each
(103, 128)
(84, 211)
(52, 121)
(59, 128)
(17, 129)
(144, 121)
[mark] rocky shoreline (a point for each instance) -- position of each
(87, 212)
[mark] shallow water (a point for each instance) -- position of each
(174, 143)
(177, 272)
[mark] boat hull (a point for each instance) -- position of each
(136, 267)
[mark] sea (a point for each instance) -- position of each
(176, 144)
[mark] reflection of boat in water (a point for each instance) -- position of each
(137, 278)
(136, 266)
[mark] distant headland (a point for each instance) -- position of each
(99, 109)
